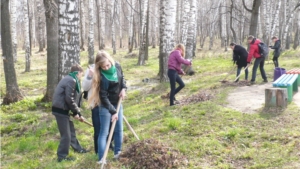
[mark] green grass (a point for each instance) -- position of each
(207, 133)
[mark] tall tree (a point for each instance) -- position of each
(231, 21)
(184, 21)
(223, 24)
(113, 25)
(275, 18)
(102, 24)
(13, 14)
(191, 34)
(167, 41)
(91, 32)
(254, 16)
(13, 93)
(143, 43)
(40, 26)
(131, 7)
(27, 37)
(68, 24)
(82, 25)
(51, 13)
(297, 35)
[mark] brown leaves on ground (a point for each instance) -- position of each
(199, 97)
(152, 154)
(239, 83)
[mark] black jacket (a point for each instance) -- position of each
(65, 96)
(109, 91)
(276, 47)
(240, 55)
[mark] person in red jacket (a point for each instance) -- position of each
(259, 61)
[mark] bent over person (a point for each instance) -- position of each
(108, 86)
(64, 100)
(240, 55)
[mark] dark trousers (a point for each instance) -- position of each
(96, 124)
(259, 62)
(174, 77)
(239, 71)
(67, 135)
(275, 61)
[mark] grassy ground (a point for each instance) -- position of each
(207, 133)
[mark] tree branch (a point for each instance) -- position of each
(247, 9)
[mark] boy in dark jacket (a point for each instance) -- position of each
(259, 61)
(240, 55)
(64, 100)
(276, 47)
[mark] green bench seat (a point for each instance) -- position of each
(288, 81)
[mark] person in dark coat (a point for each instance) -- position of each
(276, 47)
(240, 55)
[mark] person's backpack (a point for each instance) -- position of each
(263, 49)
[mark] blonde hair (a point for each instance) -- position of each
(101, 58)
(181, 47)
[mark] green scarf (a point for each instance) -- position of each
(110, 74)
(73, 74)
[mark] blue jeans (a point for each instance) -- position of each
(96, 124)
(259, 62)
(239, 71)
(174, 77)
(105, 118)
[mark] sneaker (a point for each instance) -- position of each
(266, 81)
(117, 156)
(82, 151)
(65, 159)
(101, 161)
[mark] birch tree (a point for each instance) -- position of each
(13, 93)
(266, 13)
(131, 6)
(113, 25)
(297, 35)
(189, 53)
(223, 24)
(13, 14)
(102, 24)
(167, 29)
(69, 48)
(40, 26)
(51, 13)
(275, 18)
(143, 43)
(91, 32)
(82, 25)
(184, 21)
(27, 37)
(153, 23)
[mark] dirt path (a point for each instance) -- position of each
(248, 99)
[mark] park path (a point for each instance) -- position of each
(248, 99)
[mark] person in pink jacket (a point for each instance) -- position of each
(176, 58)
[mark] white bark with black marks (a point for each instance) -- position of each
(82, 25)
(69, 48)
(27, 36)
(184, 21)
(167, 30)
(143, 44)
(113, 25)
(91, 32)
(189, 53)
(275, 20)
(13, 16)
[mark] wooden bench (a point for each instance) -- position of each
(295, 71)
(288, 81)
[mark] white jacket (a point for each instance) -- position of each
(87, 83)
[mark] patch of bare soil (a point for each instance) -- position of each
(152, 154)
(240, 83)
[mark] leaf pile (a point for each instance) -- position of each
(152, 154)
(199, 97)
(239, 83)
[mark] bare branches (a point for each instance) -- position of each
(249, 10)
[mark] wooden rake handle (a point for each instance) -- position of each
(130, 128)
(110, 135)
(88, 123)
(240, 73)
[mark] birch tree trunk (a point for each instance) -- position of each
(184, 22)
(102, 24)
(131, 6)
(297, 36)
(13, 93)
(254, 16)
(40, 26)
(120, 21)
(13, 14)
(179, 13)
(91, 32)
(82, 25)
(27, 37)
(154, 24)
(113, 25)
(191, 30)
(289, 17)
(33, 27)
(224, 23)
(266, 14)
(275, 18)
(143, 36)
(167, 29)
(51, 13)
(69, 48)
(231, 22)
